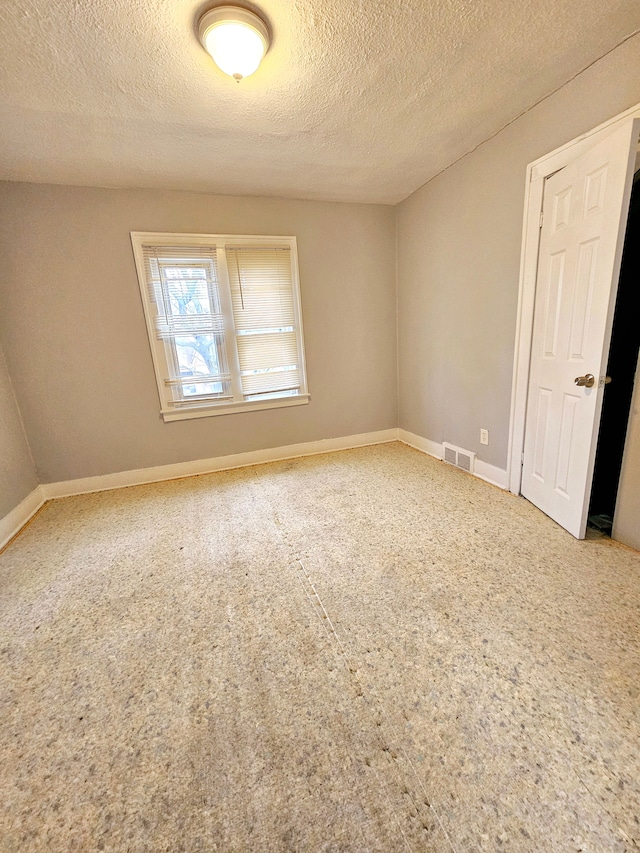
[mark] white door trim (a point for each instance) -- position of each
(535, 177)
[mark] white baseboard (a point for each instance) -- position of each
(14, 521)
(420, 443)
(489, 473)
(103, 482)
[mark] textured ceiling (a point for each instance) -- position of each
(358, 101)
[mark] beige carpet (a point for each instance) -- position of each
(363, 651)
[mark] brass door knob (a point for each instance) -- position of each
(586, 381)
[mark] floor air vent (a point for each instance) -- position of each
(460, 458)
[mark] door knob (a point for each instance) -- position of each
(588, 380)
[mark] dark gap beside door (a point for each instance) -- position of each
(623, 357)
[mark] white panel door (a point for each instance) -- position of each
(585, 210)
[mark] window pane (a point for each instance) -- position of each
(193, 389)
(187, 289)
(197, 355)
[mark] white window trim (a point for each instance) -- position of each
(201, 409)
(204, 411)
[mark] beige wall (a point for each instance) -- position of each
(76, 344)
(458, 264)
(17, 477)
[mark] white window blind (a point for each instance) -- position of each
(264, 317)
(224, 321)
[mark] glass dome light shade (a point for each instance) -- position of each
(235, 38)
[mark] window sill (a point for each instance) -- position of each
(231, 408)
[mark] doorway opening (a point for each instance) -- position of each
(621, 367)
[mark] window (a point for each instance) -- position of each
(224, 321)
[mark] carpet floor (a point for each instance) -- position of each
(362, 651)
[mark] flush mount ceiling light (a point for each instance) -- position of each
(236, 38)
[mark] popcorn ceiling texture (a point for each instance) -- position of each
(355, 101)
(362, 651)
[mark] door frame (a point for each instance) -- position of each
(537, 172)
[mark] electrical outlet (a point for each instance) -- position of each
(484, 436)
